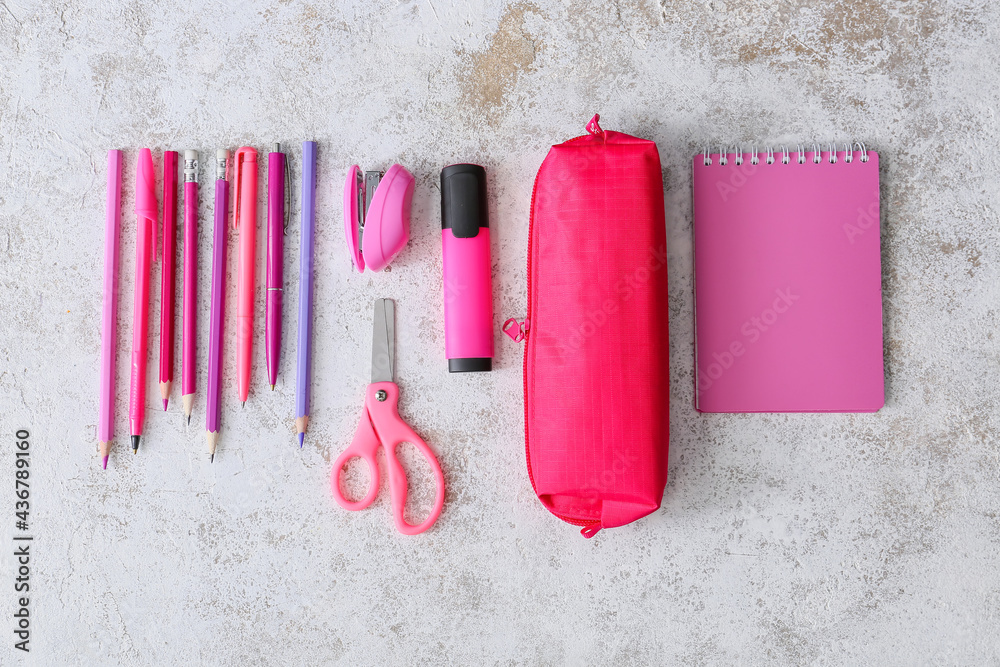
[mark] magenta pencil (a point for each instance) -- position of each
(218, 301)
(109, 311)
(167, 274)
(189, 336)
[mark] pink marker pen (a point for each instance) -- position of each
(468, 287)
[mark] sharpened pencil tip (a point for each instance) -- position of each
(301, 438)
(189, 420)
(164, 405)
(135, 444)
(212, 459)
(105, 462)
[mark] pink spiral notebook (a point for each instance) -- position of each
(788, 282)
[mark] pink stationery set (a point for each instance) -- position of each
(788, 281)
(788, 303)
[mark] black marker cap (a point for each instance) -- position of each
(463, 200)
(470, 365)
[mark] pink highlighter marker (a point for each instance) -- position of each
(468, 288)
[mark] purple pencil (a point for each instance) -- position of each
(304, 371)
(218, 300)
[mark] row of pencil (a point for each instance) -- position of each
(245, 169)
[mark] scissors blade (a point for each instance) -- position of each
(384, 341)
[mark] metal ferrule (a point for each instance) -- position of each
(221, 164)
(190, 166)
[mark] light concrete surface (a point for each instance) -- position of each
(783, 539)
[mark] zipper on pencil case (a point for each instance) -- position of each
(589, 527)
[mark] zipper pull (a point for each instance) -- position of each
(594, 127)
(518, 333)
(591, 530)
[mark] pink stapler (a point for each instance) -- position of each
(377, 215)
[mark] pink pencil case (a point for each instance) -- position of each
(596, 376)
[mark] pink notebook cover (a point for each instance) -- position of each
(788, 284)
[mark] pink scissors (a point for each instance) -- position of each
(381, 426)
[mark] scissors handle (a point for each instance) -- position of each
(364, 446)
(393, 431)
(381, 404)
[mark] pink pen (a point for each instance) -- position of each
(190, 280)
(245, 223)
(145, 253)
(167, 274)
(277, 190)
(468, 287)
(109, 313)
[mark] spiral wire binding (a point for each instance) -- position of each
(786, 157)
(862, 150)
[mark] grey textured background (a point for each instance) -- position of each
(783, 539)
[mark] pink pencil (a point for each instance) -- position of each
(145, 252)
(190, 279)
(167, 275)
(109, 312)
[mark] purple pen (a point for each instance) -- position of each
(218, 300)
(304, 370)
(277, 190)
